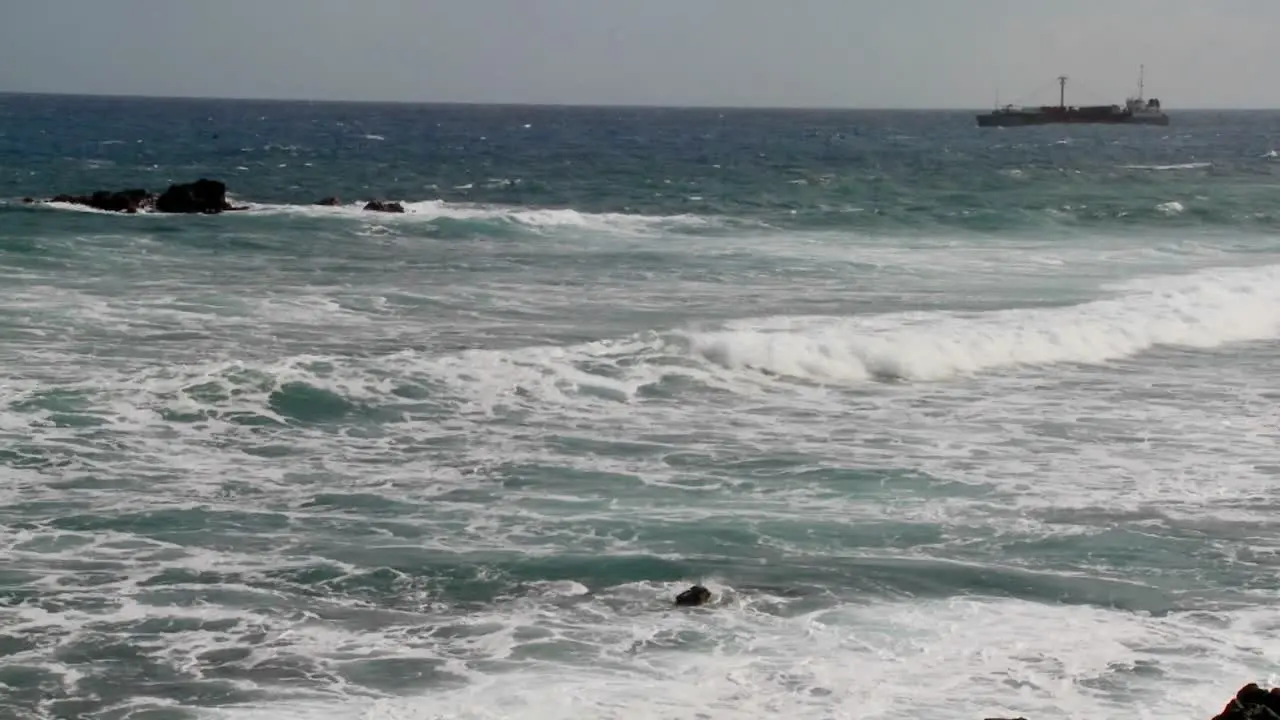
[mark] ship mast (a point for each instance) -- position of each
(1142, 71)
(1062, 91)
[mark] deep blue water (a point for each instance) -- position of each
(985, 412)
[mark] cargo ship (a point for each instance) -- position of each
(1136, 111)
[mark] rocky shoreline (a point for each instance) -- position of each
(1252, 703)
(203, 197)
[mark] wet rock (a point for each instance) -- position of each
(1252, 703)
(203, 196)
(380, 206)
(694, 596)
(130, 201)
(330, 202)
(124, 201)
(28, 201)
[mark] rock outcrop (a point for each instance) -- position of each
(694, 596)
(1252, 703)
(125, 201)
(202, 196)
(380, 206)
(206, 197)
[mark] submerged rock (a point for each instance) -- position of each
(330, 201)
(694, 596)
(1252, 703)
(380, 206)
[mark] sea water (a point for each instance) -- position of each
(954, 422)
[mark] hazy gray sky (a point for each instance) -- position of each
(863, 53)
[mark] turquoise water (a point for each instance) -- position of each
(954, 422)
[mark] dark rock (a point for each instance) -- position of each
(330, 202)
(124, 201)
(202, 196)
(28, 201)
(1252, 703)
(380, 206)
(694, 596)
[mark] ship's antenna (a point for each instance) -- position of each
(1142, 71)
(1062, 91)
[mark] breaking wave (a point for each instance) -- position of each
(1202, 310)
(528, 217)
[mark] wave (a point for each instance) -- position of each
(620, 651)
(1177, 166)
(748, 358)
(73, 207)
(743, 661)
(528, 217)
(1203, 310)
(901, 216)
(442, 213)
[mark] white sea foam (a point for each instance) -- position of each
(980, 380)
(1202, 310)
(75, 207)
(432, 210)
(953, 658)
(1176, 166)
(1141, 412)
(428, 210)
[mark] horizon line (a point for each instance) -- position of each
(580, 105)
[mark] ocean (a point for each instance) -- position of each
(953, 422)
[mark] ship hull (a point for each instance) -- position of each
(1022, 119)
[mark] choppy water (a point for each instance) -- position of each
(955, 422)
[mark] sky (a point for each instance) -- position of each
(779, 53)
